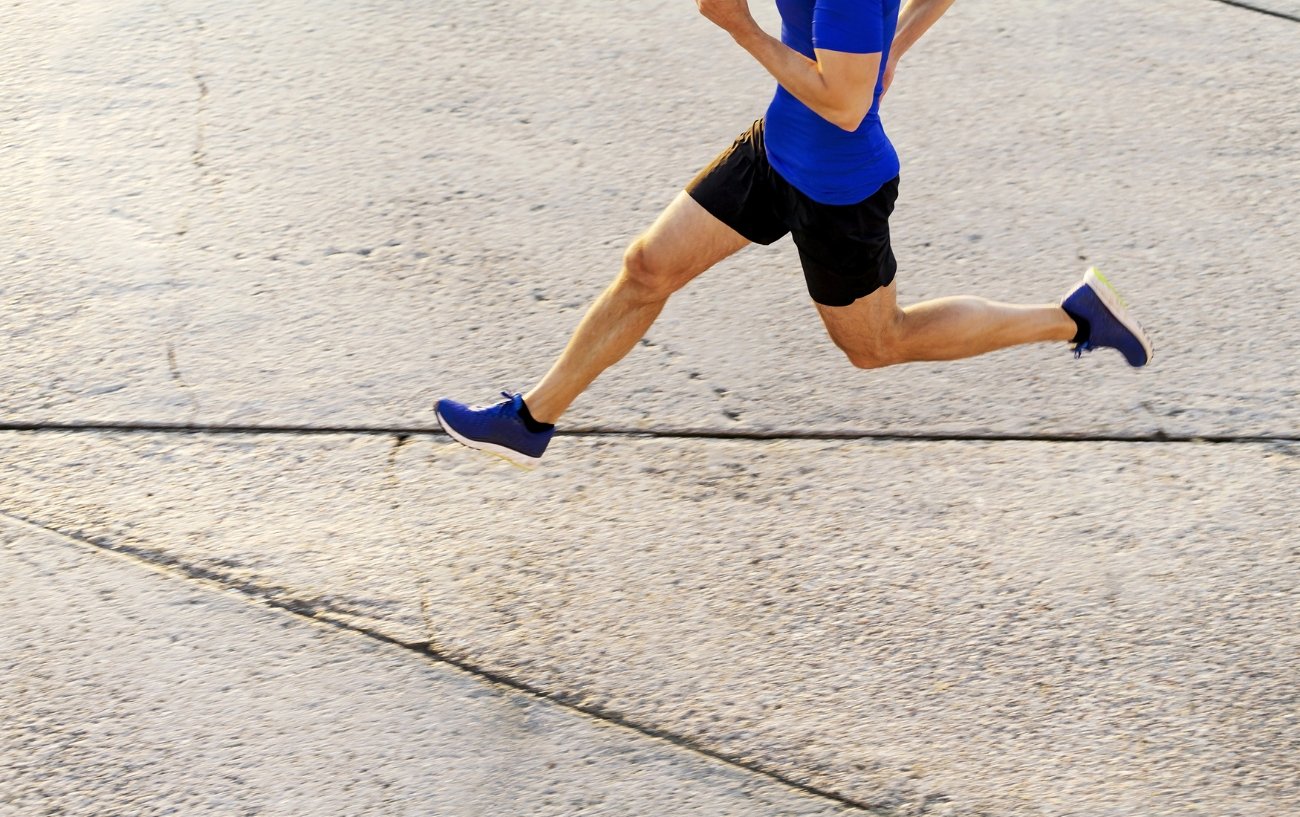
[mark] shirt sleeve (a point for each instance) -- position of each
(852, 26)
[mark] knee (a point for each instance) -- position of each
(645, 274)
(871, 358)
(882, 352)
(884, 342)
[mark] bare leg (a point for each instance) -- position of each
(873, 331)
(683, 242)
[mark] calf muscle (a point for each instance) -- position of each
(684, 242)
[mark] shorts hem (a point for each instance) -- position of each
(720, 217)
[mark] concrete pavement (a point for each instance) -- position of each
(309, 216)
(998, 628)
(132, 692)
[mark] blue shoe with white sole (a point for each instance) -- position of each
(497, 429)
(1109, 324)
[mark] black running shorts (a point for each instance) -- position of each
(844, 250)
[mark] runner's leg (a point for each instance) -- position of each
(874, 332)
(682, 243)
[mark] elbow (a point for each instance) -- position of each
(848, 119)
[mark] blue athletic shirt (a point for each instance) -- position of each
(824, 162)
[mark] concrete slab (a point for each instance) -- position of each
(928, 628)
(332, 213)
(130, 692)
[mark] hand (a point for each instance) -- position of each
(732, 16)
(888, 79)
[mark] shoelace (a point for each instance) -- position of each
(508, 398)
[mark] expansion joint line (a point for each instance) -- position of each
(758, 435)
(1282, 15)
(197, 573)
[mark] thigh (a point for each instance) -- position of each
(845, 250)
(684, 241)
(742, 190)
(866, 326)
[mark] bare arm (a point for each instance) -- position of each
(914, 20)
(837, 86)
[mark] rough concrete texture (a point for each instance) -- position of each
(328, 214)
(927, 628)
(130, 692)
(307, 213)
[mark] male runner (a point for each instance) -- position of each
(819, 167)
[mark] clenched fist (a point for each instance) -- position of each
(732, 16)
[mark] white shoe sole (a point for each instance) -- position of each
(1111, 298)
(510, 455)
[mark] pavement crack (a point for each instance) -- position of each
(1282, 15)
(213, 572)
(1157, 437)
(393, 482)
(174, 367)
(273, 597)
(171, 364)
(399, 440)
(199, 151)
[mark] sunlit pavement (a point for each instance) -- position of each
(247, 246)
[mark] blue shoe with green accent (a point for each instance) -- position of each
(1097, 303)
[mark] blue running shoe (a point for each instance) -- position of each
(1109, 323)
(497, 429)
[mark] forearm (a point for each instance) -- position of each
(914, 20)
(803, 77)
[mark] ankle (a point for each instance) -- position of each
(1079, 324)
(534, 415)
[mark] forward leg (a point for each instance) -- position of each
(682, 243)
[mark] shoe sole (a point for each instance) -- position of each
(515, 458)
(1113, 301)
